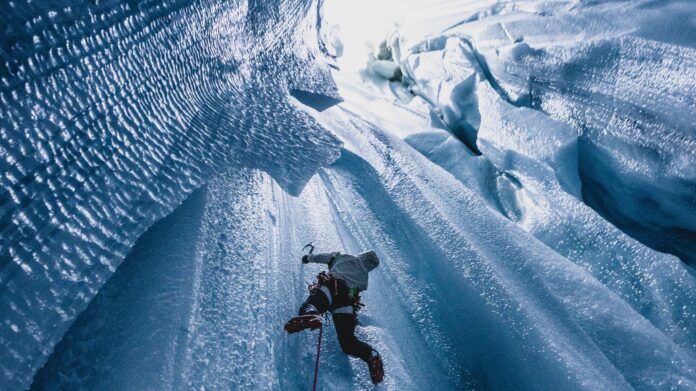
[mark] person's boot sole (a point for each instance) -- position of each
(303, 322)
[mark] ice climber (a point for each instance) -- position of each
(338, 291)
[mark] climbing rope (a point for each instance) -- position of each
(316, 366)
(324, 322)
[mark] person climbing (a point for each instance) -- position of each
(338, 291)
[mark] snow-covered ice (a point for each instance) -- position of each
(526, 171)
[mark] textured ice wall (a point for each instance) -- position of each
(463, 298)
(567, 302)
(535, 166)
(494, 273)
(111, 113)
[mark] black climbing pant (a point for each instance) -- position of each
(318, 303)
(351, 345)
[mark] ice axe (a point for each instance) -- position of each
(311, 247)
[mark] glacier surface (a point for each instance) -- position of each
(526, 171)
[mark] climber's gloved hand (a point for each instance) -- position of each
(305, 258)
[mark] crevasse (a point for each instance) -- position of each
(527, 180)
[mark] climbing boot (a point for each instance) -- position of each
(376, 368)
(302, 322)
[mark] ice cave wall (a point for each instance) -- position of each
(111, 113)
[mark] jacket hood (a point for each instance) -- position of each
(369, 259)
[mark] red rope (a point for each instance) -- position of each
(316, 366)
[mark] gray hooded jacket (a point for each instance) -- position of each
(350, 268)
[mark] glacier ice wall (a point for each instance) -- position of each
(111, 114)
(503, 182)
(465, 298)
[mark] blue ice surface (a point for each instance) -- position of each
(516, 203)
(112, 113)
